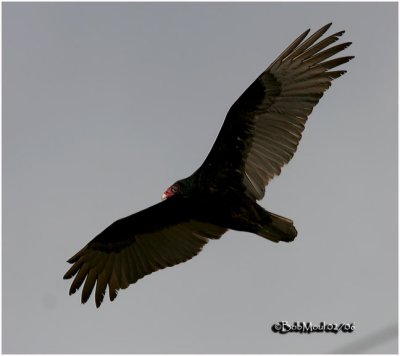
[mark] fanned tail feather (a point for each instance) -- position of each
(278, 229)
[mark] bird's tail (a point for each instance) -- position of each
(278, 228)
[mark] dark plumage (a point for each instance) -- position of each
(260, 135)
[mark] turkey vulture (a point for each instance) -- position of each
(260, 135)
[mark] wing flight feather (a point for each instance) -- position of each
(269, 117)
(126, 252)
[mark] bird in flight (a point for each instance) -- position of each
(259, 136)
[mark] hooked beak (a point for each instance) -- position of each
(164, 196)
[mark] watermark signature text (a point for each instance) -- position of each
(307, 327)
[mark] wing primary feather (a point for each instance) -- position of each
(102, 282)
(335, 62)
(113, 280)
(336, 74)
(311, 40)
(321, 56)
(77, 256)
(315, 49)
(73, 269)
(79, 279)
(101, 286)
(89, 284)
(288, 50)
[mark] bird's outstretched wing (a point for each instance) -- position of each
(158, 237)
(264, 126)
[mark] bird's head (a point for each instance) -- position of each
(174, 189)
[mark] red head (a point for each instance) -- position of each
(171, 191)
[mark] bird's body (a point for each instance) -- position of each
(259, 136)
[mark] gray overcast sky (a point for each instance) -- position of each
(106, 105)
